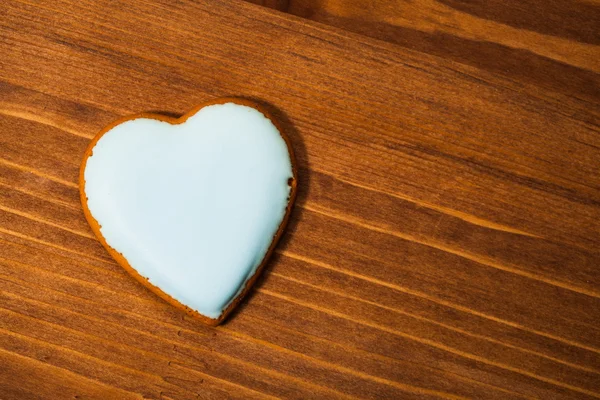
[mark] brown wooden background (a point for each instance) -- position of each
(446, 239)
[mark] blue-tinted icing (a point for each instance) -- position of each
(193, 207)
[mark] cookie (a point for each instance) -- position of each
(191, 207)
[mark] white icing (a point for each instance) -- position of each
(192, 207)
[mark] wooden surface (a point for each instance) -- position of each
(548, 43)
(444, 243)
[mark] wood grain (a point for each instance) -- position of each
(552, 44)
(444, 244)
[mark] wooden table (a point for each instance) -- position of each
(445, 243)
(550, 44)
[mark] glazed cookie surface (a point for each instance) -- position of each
(191, 207)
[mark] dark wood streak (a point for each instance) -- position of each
(576, 20)
(428, 29)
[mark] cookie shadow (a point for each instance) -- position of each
(302, 190)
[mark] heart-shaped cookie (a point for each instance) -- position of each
(191, 207)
